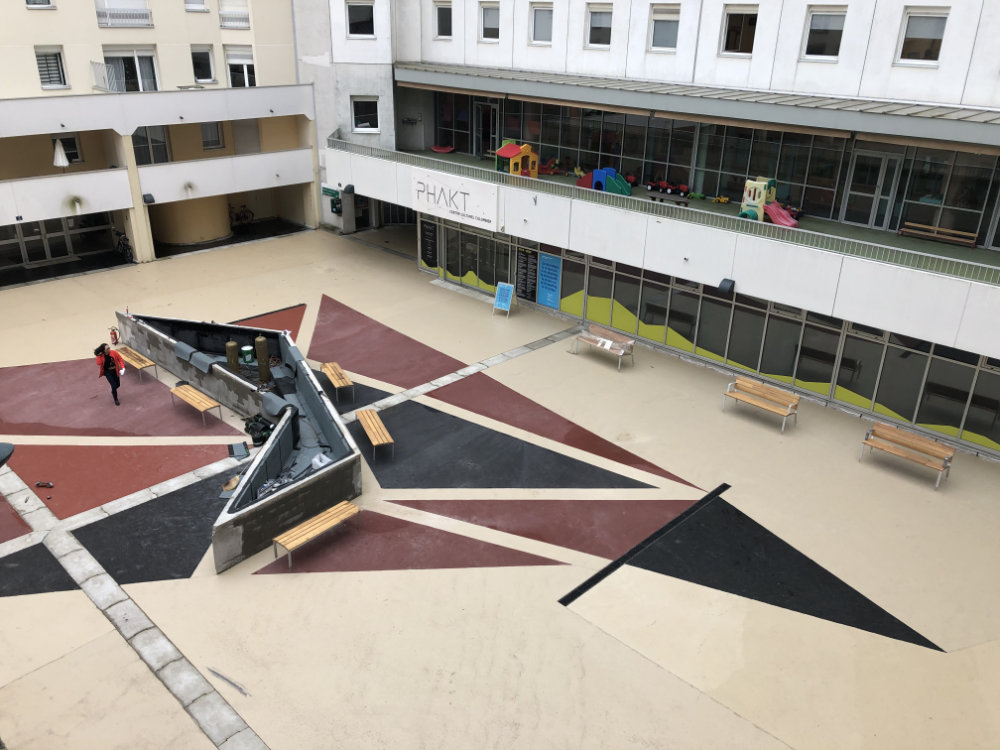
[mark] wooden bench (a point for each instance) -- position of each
(196, 398)
(943, 234)
(610, 341)
(917, 448)
(375, 430)
(309, 530)
(337, 379)
(763, 396)
(139, 362)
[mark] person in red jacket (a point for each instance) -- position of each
(110, 365)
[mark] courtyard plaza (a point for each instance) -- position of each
(770, 591)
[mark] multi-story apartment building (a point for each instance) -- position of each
(155, 118)
(868, 115)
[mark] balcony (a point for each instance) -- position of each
(930, 293)
(234, 18)
(40, 198)
(930, 256)
(200, 178)
(124, 17)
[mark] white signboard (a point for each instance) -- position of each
(466, 201)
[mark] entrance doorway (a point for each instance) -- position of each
(486, 128)
(871, 190)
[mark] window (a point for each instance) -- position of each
(197, 6)
(50, 68)
(131, 70)
(663, 24)
(825, 27)
(442, 12)
(201, 60)
(922, 35)
(211, 135)
(598, 25)
(738, 32)
(360, 19)
(40, 4)
(239, 60)
(541, 23)
(365, 111)
(490, 30)
(71, 147)
(150, 145)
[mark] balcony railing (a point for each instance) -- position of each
(107, 77)
(118, 17)
(896, 256)
(234, 18)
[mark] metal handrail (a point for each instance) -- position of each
(134, 17)
(896, 256)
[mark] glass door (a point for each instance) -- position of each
(871, 189)
(485, 129)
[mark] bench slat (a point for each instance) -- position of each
(916, 448)
(762, 403)
(373, 427)
(194, 397)
(314, 527)
(336, 375)
(132, 357)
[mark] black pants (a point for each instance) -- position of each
(114, 381)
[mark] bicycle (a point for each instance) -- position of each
(242, 216)
(123, 246)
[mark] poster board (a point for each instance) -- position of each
(504, 297)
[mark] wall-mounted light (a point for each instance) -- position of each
(726, 286)
(148, 198)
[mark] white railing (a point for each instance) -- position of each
(234, 18)
(981, 272)
(114, 17)
(107, 77)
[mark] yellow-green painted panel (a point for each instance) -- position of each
(848, 396)
(879, 409)
(452, 277)
(781, 378)
(599, 310)
(677, 341)
(982, 440)
(823, 389)
(652, 332)
(944, 429)
(707, 354)
(573, 304)
(470, 279)
(487, 287)
(622, 318)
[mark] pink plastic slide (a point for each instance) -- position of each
(779, 215)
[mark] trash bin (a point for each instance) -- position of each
(246, 354)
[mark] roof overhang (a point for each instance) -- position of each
(963, 128)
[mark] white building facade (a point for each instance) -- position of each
(163, 121)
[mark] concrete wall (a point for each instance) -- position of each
(938, 308)
(72, 26)
(968, 71)
(190, 222)
(236, 537)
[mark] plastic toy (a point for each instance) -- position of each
(520, 159)
(607, 180)
(577, 172)
(758, 202)
(720, 199)
(666, 187)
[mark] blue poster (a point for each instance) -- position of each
(549, 272)
(505, 293)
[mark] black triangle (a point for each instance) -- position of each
(713, 544)
(438, 450)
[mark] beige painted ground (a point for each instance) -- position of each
(69, 680)
(487, 658)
